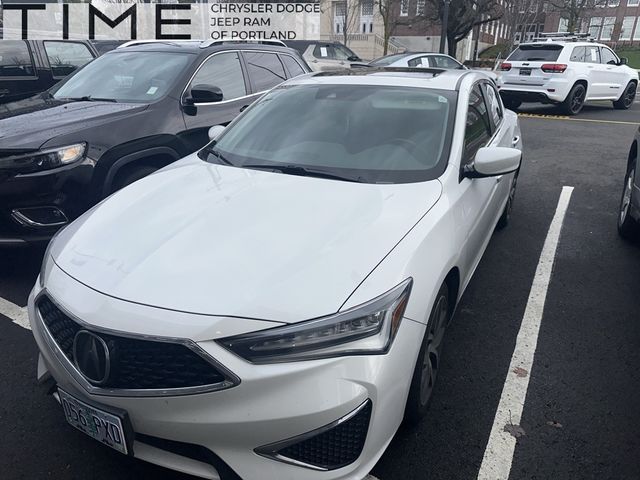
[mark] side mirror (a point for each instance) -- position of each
(623, 61)
(215, 131)
(204, 94)
(494, 161)
(354, 58)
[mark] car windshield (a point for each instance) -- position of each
(125, 77)
(388, 60)
(343, 53)
(536, 52)
(359, 133)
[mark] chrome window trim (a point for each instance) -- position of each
(231, 380)
(271, 450)
(238, 51)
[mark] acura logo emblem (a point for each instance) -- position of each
(91, 357)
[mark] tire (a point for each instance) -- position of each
(575, 100)
(130, 176)
(628, 227)
(627, 98)
(511, 104)
(505, 218)
(428, 362)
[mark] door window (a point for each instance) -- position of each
(15, 60)
(66, 57)
(495, 107)
(607, 56)
(478, 131)
(223, 71)
(579, 54)
(292, 65)
(265, 70)
(440, 61)
(593, 55)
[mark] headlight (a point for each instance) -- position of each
(45, 159)
(366, 329)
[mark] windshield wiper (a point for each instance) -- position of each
(301, 171)
(218, 155)
(89, 98)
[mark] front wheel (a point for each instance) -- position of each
(505, 218)
(627, 98)
(627, 226)
(575, 100)
(428, 362)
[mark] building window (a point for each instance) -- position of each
(563, 26)
(607, 28)
(420, 7)
(404, 8)
(367, 8)
(614, 3)
(627, 28)
(594, 27)
(633, 3)
(636, 36)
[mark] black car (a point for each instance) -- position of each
(28, 67)
(126, 114)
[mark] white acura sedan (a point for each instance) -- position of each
(273, 306)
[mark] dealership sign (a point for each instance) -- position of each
(131, 20)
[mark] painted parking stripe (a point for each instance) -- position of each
(17, 314)
(573, 119)
(506, 428)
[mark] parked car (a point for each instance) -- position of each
(324, 55)
(123, 116)
(567, 72)
(28, 67)
(629, 215)
(273, 306)
(418, 59)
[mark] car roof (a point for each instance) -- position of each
(562, 44)
(432, 78)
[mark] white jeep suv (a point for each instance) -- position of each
(566, 73)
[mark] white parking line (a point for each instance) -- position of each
(17, 314)
(506, 428)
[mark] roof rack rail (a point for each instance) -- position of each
(132, 43)
(564, 36)
(210, 43)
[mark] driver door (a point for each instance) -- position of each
(611, 75)
(225, 71)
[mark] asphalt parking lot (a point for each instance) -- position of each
(580, 419)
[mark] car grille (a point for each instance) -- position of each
(135, 363)
(334, 447)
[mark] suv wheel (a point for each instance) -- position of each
(627, 226)
(575, 100)
(428, 362)
(627, 98)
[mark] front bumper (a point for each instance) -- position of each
(272, 403)
(66, 190)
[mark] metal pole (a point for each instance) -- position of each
(445, 24)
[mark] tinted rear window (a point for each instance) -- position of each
(532, 53)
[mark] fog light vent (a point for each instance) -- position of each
(40, 217)
(327, 448)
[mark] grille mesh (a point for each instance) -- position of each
(135, 364)
(334, 448)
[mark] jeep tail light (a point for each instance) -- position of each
(553, 67)
(505, 66)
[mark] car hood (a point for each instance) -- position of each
(30, 123)
(219, 240)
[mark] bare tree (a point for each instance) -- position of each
(575, 11)
(348, 11)
(389, 13)
(464, 15)
(518, 14)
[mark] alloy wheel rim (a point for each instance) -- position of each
(626, 196)
(576, 101)
(630, 95)
(431, 361)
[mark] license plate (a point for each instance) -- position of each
(525, 71)
(98, 424)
